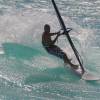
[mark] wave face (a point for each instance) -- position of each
(27, 71)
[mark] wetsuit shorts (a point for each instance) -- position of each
(55, 50)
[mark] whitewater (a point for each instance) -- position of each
(27, 71)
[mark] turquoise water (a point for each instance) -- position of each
(27, 71)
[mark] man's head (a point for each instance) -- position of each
(47, 28)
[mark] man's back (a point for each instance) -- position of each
(46, 39)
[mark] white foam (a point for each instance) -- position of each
(18, 25)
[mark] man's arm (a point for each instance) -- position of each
(56, 38)
(52, 34)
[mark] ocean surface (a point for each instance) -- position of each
(27, 71)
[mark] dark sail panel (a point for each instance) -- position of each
(67, 34)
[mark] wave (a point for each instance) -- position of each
(27, 71)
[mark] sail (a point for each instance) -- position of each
(67, 35)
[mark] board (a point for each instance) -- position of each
(90, 77)
(86, 75)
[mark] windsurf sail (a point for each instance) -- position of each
(66, 32)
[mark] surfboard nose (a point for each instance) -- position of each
(90, 77)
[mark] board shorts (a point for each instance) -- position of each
(56, 51)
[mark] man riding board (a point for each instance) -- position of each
(53, 49)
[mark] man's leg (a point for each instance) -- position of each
(55, 50)
(68, 61)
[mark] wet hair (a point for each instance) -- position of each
(46, 27)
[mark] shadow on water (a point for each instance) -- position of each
(20, 51)
(94, 83)
(52, 74)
